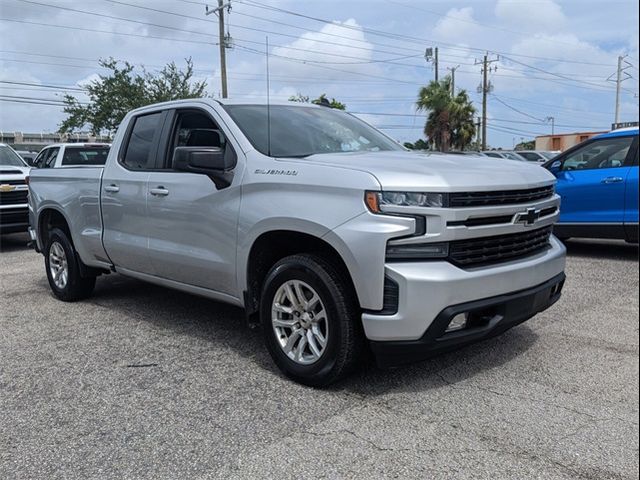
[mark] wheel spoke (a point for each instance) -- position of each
(313, 301)
(283, 308)
(302, 344)
(279, 322)
(302, 300)
(319, 336)
(292, 297)
(291, 341)
(312, 344)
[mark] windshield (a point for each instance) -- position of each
(513, 156)
(549, 155)
(302, 131)
(9, 157)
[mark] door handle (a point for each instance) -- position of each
(159, 191)
(612, 180)
(112, 188)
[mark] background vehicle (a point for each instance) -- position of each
(72, 154)
(319, 230)
(14, 210)
(532, 156)
(27, 156)
(549, 155)
(598, 182)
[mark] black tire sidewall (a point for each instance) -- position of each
(321, 281)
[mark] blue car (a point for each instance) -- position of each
(598, 183)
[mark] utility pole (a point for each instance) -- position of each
(553, 124)
(453, 79)
(485, 88)
(219, 11)
(618, 82)
(431, 55)
(435, 64)
(621, 76)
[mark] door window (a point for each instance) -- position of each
(49, 159)
(605, 153)
(196, 129)
(141, 146)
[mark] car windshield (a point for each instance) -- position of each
(302, 131)
(513, 156)
(531, 156)
(9, 157)
(85, 155)
(549, 155)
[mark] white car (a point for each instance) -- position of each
(72, 155)
(14, 207)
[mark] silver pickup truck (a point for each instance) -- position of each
(334, 238)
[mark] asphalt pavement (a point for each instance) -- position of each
(144, 382)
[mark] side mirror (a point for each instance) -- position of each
(214, 162)
(555, 166)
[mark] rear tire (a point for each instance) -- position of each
(63, 269)
(311, 320)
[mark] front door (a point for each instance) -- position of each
(192, 223)
(591, 182)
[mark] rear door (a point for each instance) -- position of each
(592, 179)
(193, 223)
(124, 194)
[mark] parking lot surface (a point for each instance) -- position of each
(144, 382)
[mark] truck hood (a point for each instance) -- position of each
(10, 171)
(440, 172)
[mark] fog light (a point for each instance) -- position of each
(458, 323)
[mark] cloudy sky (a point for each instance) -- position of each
(554, 57)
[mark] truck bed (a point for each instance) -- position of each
(76, 192)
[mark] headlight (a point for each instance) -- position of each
(376, 201)
(417, 251)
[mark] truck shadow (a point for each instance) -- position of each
(14, 242)
(223, 326)
(602, 249)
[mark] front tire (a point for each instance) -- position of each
(63, 269)
(311, 320)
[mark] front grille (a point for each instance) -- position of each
(507, 197)
(13, 182)
(16, 197)
(498, 249)
(12, 217)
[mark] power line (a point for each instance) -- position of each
(515, 109)
(394, 36)
(113, 17)
(93, 30)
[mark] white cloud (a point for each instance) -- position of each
(457, 22)
(538, 16)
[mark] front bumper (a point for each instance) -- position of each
(493, 316)
(428, 288)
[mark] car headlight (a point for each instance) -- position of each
(376, 201)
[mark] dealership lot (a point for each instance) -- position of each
(144, 382)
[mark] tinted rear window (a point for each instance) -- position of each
(85, 155)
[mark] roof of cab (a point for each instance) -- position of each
(621, 132)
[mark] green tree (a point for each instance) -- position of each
(450, 118)
(526, 145)
(419, 144)
(333, 103)
(112, 95)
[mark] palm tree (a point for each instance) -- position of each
(450, 118)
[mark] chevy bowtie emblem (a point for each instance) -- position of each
(7, 188)
(529, 217)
